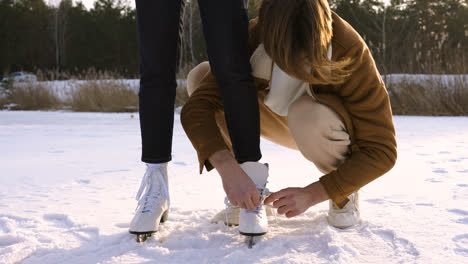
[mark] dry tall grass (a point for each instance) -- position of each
(88, 74)
(433, 98)
(27, 97)
(181, 95)
(101, 93)
(89, 96)
(103, 96)
(112, 96)
(3, 102)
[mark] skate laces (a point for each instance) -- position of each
(264, 192)
(153, 185)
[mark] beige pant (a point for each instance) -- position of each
(310, 127)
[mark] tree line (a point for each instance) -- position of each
(405, 36)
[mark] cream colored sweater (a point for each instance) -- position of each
(284, 89)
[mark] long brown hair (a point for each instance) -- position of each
(296, 35)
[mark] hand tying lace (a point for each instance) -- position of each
(264, 192)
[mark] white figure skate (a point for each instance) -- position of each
(254, 223)
(230, 215)
(153, 205)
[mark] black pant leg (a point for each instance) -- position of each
(225, 26)
(159, 25)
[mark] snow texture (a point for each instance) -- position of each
(68, 182)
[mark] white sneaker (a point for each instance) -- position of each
(255, 222)
(346, 217)
(153, 205)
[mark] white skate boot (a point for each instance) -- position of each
(153, 205)
(230, 215)
(254, 223)
(346, 217)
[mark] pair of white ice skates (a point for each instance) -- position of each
(154, 204)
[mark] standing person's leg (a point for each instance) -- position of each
(225, 26)
(159, 25)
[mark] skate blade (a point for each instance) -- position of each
(140, 238)
(252, 240)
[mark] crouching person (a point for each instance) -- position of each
(319, 92)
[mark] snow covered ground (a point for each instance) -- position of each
(68, 181)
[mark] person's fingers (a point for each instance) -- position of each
(281, 202)
(249, 204)
(275, 196)
(271, 198)
(285, 208)
(242, 205)
(292, 213)
(255, 198)
(232, 201)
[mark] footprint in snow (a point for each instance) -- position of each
(180, 163)
(83, 181)
(439, 170)
(458, 212)
(393, 240)
(433, 180)
(9, 240)
(375, 201)
(122, 225)
(423, 154)
(461, 242)
(60, 220)
(425, 204)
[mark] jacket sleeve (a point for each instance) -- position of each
(373, 149)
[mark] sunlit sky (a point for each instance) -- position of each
(89, 3)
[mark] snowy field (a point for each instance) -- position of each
(68, 181)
